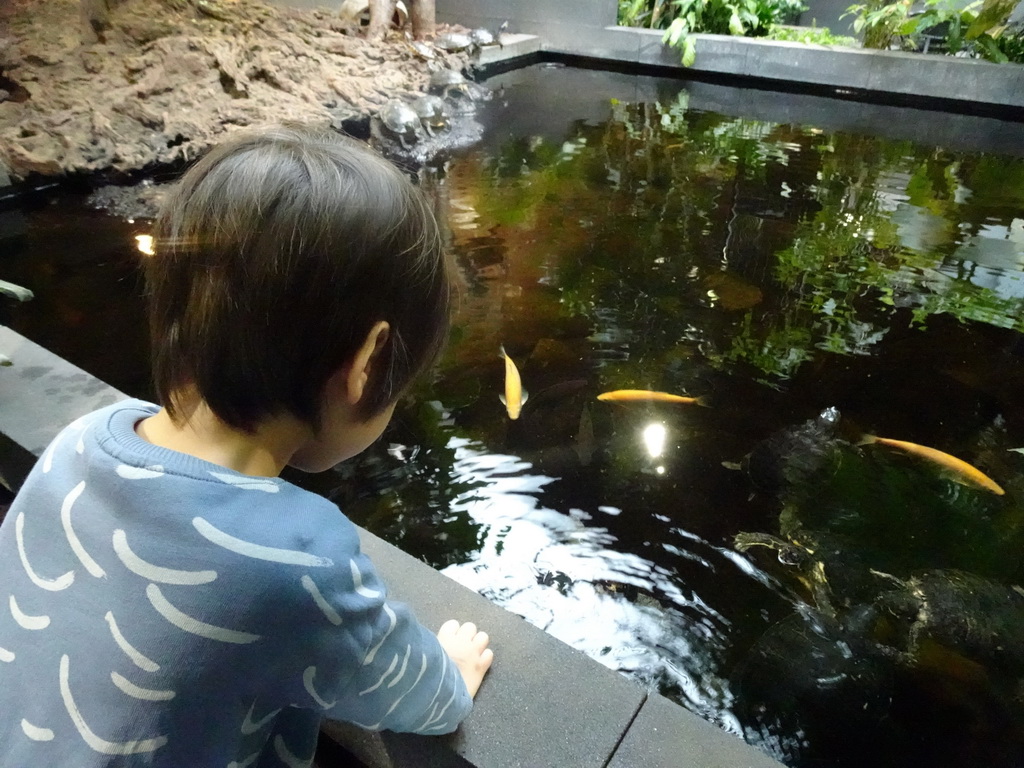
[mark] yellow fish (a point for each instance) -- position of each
(515, 395)
(962, 472)
(634, 395)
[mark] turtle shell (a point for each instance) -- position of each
(399, 117)
(974, 616)
(429, 107)
(483, 37)
(444, 78)
(454, 42)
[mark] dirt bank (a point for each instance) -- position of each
(171, 77)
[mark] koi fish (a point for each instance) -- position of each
(515, 395)
(962, 472)
(646, 395)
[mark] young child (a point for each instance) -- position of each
(168, 600)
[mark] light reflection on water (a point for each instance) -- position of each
(562, 573)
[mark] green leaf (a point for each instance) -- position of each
(676, 30)
(735, 25)
(910, 26)
(991, 50)
(689, 51)
(992, 14)
(854, 10)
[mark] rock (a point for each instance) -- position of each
(170, 80)
(92, 60)
(138, 111)
(44, 158)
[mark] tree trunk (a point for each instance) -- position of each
(422, 14)
(381, 13)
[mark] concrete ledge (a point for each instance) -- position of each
(587, 29)
(40, 394)
(512, 47)
(543, 705)
(943, 81)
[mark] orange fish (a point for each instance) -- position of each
(962, 472)
(647, 395)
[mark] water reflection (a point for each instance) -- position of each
(779, 269)
(564, 573)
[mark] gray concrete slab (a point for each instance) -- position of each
(614, 43)
(664, 735)
(799, 63)
(543, 704)
(856, 70)
(946, 77)
(653, 52)
(513, 46)
(719, 54)
(40, 393)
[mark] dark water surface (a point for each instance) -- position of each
(616, 233)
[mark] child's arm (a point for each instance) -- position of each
(374, 664)
(467, 647)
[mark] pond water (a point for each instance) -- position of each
(615, 233)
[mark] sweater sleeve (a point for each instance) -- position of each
(376, 665)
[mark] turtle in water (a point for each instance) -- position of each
(807, 690)
(433, 113)
(835, 573)
(977, 618)
(958, 638)
(947, 644)
(793, 457)
(446, 82)
(402, 121)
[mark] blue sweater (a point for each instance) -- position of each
(160, 610)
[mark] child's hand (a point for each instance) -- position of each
(468, 649)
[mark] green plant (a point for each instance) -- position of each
(809, 36)
(991, 34)
(644, 13)
(881, 23)
(978, 30)
(1005, 48)
(724, 17)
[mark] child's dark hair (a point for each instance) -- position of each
(275, 255)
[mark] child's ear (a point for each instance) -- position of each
(365, 358)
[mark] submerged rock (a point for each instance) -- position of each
(141, 201)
